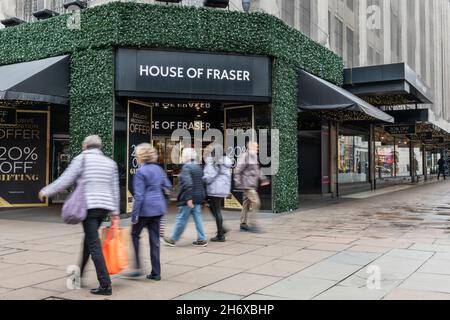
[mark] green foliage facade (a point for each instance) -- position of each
(107, 27)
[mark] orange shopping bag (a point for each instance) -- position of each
(115, 251)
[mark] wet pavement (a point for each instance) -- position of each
(393, 244)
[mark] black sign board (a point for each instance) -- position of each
(421, 136)
(139, 131)
(174, 74)
(24, 159)
(8, 116)
(401, 129)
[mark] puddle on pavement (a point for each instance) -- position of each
(402, 217)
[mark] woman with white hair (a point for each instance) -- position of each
(190, 197)
(101, 188)
(149, 206)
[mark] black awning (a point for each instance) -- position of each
(316, 94)
(391, 84)
(44, 80)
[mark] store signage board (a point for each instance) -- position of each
(400, 129)
(139, 131)
(421, 136)
(192, 73)
(24, 159)
(8, 116)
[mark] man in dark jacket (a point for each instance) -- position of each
(248, 177)
(441, 164)
(190, 197)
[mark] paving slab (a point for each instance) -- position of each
(235, 249)
(201, 260)
(427, 282)
(31, 279)
(280, 268)
(206, 275)
(276, 250)
(243, 284)
(307, 255)
(351, 293)
(244, 262)
(329, 247)
(298, 288)
(202, 294)
(328, 270)
(27, 294)
(405, 294)
(354, 257)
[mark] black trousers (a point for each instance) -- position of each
(153, 226)
(214, 205)
(443, 173)
(92, 245)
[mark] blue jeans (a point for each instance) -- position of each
(181, 221)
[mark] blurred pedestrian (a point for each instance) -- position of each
(149, 206)
(190, 197)
(217, 177)
(101, 186)
(441, 164)
(248, 177)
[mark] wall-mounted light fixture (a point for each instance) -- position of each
(45, 14)
(216, 3)
(171, 1)
(246, 5)
(78, 3)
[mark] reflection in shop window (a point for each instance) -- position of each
(403, 164)
(432, 158)
(353, 157)
(385, 156)
(418, 159)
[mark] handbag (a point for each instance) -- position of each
(115, 251)
(74, 210)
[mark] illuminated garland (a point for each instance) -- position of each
(176, 27)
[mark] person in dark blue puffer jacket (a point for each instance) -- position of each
(190, 197)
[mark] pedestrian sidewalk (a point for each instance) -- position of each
(317, 253)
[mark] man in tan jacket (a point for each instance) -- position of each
(248, 177)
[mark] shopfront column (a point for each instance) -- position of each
(424, 162)
(411, 161)
(372, 176)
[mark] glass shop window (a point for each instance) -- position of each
(353, 156)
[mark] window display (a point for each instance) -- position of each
(402, 157)
(385, 155)
(418, 159)
(353, 156)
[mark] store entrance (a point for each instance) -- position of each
(157, 122)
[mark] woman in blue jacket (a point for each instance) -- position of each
(149, 206)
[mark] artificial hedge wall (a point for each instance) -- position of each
(177, 27)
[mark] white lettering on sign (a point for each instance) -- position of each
(194, 73)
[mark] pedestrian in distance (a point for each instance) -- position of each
(217, 177)
(150, 205)
(190, 197)
(101, 185)
(248, 177)
(441, 164)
